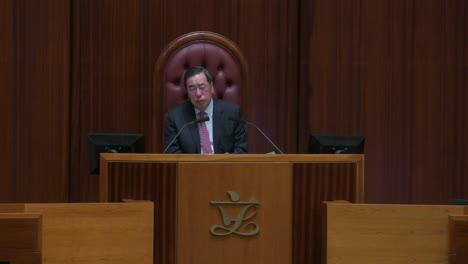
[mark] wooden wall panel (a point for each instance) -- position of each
(394, 71)
(34, 74)
(108, 92)
(7, 95)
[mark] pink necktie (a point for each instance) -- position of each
(204, 136)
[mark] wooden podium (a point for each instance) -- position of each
(234, 208)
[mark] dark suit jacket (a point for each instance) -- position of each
(228, 136)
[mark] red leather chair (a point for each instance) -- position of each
(219, 55)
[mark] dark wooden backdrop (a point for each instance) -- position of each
(392, 70)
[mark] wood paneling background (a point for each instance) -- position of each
(395, 71)
(34, 100)
(392, 70)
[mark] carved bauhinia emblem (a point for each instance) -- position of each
(241, 224)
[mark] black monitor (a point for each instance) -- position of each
(460, 202)
(112, 143)
(336, 144)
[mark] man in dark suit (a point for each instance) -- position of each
(225, 135)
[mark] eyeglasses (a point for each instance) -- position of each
(193, 89)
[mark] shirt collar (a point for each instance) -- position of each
(208, 110)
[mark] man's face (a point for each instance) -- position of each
(199, 91)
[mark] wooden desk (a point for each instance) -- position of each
(387, 233)
(290, 189)
(92, 233)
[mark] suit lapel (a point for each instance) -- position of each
(218, 115)
(189, 114)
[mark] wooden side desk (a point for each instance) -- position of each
(387, 233)
(92, 233)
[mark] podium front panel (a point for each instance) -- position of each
(234, 213)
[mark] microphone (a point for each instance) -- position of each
(264, 135)
(193, 122)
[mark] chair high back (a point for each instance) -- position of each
(218, 54)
